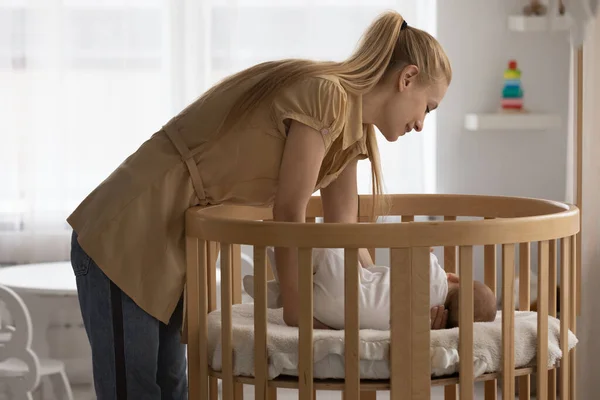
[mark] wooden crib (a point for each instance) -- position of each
(464, 221)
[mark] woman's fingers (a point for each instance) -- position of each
(439, 317)
(444, 319)
(434, 317)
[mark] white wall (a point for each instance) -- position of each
(529, 163)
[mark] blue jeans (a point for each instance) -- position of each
(147, 359)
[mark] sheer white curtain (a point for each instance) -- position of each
(85, 82)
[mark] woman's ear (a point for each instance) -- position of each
(452, 277)
(408, 77)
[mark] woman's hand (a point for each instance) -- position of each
(439, 317)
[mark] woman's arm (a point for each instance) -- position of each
(302, 158)
(340, 204)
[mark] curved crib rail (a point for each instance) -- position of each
(506, 221)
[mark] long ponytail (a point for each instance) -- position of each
(384, 45)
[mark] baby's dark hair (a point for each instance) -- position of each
(484, 307)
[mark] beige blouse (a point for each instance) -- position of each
(132, 224)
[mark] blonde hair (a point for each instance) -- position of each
(385, 46)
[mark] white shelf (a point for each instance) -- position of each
(512, 121)
(522, 23)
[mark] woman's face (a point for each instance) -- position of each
(407, 103)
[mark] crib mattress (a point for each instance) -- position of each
(282, 346)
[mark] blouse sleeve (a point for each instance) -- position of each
(316, 102)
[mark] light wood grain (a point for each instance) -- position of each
(211, 257)
(542, 325)
(500, 221)
(305, 345)
(226, 322)
(565, 294)
(552, 288)
(579, 199)
(351, 325)
(401, 347)
(490, 279)
(524, 305)
(465, 320)
(573, 288)
(508, 321)
(260, 324)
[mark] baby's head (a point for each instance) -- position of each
(484, 302)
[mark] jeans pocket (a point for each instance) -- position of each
(82, 268)
(80, 261)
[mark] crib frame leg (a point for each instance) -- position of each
(364, 395)
(238, 393)
(368, 396)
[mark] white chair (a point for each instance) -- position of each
(20, 368)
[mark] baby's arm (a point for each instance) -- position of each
(364, 258)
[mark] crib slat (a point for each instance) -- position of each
(272, 393)
(524, 305)
(489, 278)
(305, 345)
(508, 321)
(238, 391)
(572, 304)
(236, 273)
(409, 285)
(212, 254)
(450, 253)
(450, 391)
(465, 332)
(542, 324)
(490, 268)
(351, 325)
(552, 277)
(226, 333)
(524, 276)
(400, 310)
(236, 292)
(420, 267)
(196, 319)
(552, 270)
(565, 295)
(260, 323)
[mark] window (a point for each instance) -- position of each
(85, 82)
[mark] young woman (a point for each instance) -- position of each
(270, 135)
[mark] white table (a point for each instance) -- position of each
(52, 279)
(50, 293)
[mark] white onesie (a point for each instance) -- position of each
(374, 296)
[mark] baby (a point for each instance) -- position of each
(328, 292)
